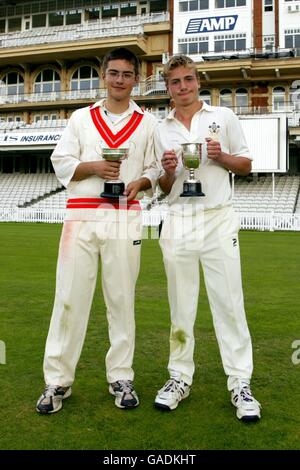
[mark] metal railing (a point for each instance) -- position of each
(150, 86)
(250, 53)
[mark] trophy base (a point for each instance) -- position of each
(113, 190)
(192, 189)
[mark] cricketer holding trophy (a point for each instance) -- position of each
(100, 228)
(203, 229)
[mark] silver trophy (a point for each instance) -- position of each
(114, 188)
(191, 159)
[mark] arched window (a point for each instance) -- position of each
(241, 99)
(205, 95)
(226, 98)
(278, 98)
(12, 84)
(47, 81)
(85, 78)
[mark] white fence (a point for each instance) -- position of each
(56, 216)
(32, 215)
(249, 221)
(269, 221)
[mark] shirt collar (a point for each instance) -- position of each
(205, 107)
(131, 108)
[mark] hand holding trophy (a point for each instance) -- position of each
(114, 188)
(191, 159)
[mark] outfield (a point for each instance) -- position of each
(206, 420)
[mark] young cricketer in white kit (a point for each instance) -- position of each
(97, 228)
(203, 229)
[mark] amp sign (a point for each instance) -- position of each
(212, 24)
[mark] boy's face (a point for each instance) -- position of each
(183, 86)
(119, 78)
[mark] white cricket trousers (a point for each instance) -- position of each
(81, 245)
(190, 236)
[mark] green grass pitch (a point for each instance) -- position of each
(206, 420)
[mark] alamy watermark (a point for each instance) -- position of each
(296, 353)
(2, 352)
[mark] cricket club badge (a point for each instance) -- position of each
(213, 131)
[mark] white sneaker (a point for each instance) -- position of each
(51, 399)
(247, 408)
(126, 396)
(171, 394)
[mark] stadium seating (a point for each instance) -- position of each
(257, 195)
(131, 25)
(54, 201)
(297, 208)
(20, 190)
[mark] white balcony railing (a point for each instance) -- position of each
(151, 86)
(285, 108)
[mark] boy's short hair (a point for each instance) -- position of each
(179, 60)
(121, 53)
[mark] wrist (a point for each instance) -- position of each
(138, 185)
(223, 158)
(169, 176)
(92, 168)
(144, 183)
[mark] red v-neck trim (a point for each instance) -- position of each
(115, 140)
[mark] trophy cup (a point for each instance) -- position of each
(114, 188)
(191, 158)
